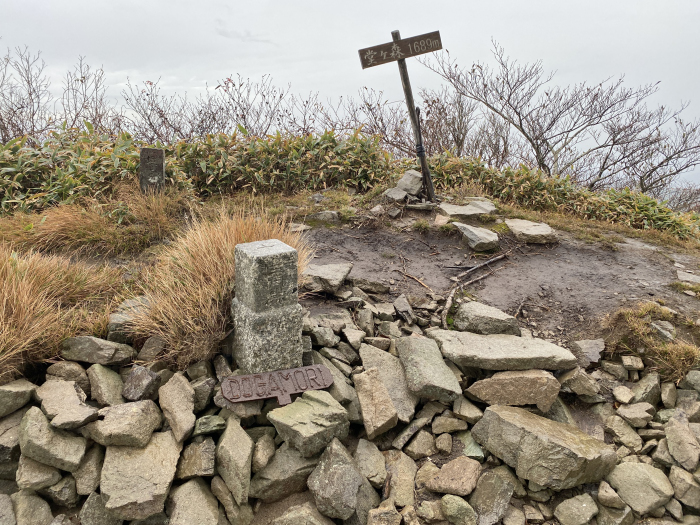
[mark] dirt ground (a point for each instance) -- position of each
(562, 291)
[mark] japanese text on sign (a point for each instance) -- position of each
(407, 47)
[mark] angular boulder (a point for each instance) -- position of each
(378, 412)
(105, 385)
(457, 477)
(551, 454)
(527, 387)
(311, 422)
(40, 441)
(125, 425)
(531, 232)
(473, 210)
(427, 375)
(641, 486)
(234, 454)
(88, 349)
(176, 399)
(64, 403)
(501, 352)
(193, 502)
(483, 319)
(327, 277)
(135, 481)
(284, 475)
(478, 239)
(411, 182)
(15, 395)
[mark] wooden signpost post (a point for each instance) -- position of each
(397, 51)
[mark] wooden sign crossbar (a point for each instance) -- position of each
(393, 51)
(397, 51)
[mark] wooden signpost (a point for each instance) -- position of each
(397, 51)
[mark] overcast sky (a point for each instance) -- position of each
(313, 44)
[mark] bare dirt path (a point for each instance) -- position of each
(565, 290)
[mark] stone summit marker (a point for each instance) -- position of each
(152, 170)
(266, 312)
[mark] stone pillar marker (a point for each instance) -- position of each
(152, 170)
(266, 310)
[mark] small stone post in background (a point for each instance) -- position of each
(266, 311)
(152, 170)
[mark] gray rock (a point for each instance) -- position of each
(284, 475)
(641, 486)
(411, 182)
(87, 477)
(30, 509)
(637, 414)
(193, 502)
(69, 371)
(150, 350)
(427, 375)
(391, 374)
(15, 395)
(38, 440)
(682, 443)
(443, 424)
(197, 459)
(105, 385)
(395, 194)
(378, 412)
(528, 387)
(234, 453)
(311, 422)
(579, 382)
(88, 349)
(478, 239)
(608, 516)
(263, 452)
(466, 410)
(63, 493)
(483, 319)
(7, 513)
(94, 512)
(340, 390)
(687, 277)
(125, 425)
(135, 481)
(531, 232)
(141, 384)
(551, 454)
(457, 511)
(370, 463)
(501, 352)
(176, 399)
(473, 210)
(686, 488)
(335, 483)
(514, 516)
(35, 476)
(203, 392)
(608, 497)
(305, 513)
(324, 216)
(208, 425)
(9, 437)
(668, 395)
(623, 433)
(578, 510)
(401, 472)
(647, 390)
(238, 514)
(327, 277)
(422, 445)
(491, 497)
(458, 477)
(444, 443)
(588, 351)
(64, 403)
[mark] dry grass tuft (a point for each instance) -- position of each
(127, 224)
(44, 299)
(631, 333)
(191, 285)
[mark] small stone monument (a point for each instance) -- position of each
(266, 311)
(152, 170)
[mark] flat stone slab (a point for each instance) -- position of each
(15, 395)
(531, 232)
(135, 481)
(526, 387)
(471, 211)
(234, 454)
(427, 375)
(478, 239)
(125, 425)
(328, 277)
(483, 319)
(395, 194)
(551, 454)
(641, 486)
(501, 352)
(285, 474)
(48, 445)
(687, 277)
(311, 422)
(90, 349)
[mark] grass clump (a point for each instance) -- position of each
(43, 300)
(682, 287)
(631, 331)
(421, 226)
(190, 287)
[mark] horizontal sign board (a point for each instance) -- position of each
(404, 48)
(280, 384)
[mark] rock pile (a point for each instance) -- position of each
(474, 426)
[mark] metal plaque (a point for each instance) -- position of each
(280, 384)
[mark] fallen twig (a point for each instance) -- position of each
(485, 263)
(415, 279)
